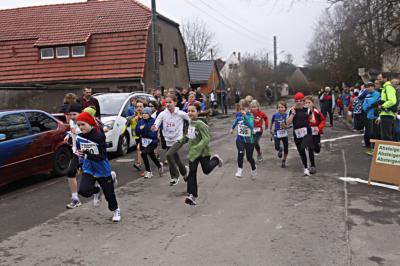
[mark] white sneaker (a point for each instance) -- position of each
(254, 173)
(306, 172)
(239, 172)
(161, 170)
(116, 215)
(221, 162)
(114, 178)
(148, 175)
(174, 181)
(97, 197)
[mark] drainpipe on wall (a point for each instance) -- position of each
(143, 85)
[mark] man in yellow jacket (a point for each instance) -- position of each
(388, 103)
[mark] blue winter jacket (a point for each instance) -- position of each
(371, 99)
(247, 122)
(146, 132)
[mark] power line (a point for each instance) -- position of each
(223, 23)
(228, 18)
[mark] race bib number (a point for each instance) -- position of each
(315, 131)
(170, 126)
(300, 132)
(146, 142)
(257, 129)
(191, 132)
(244, 131)
(90, 147)
(282, 133)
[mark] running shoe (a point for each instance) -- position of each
(116, 215)
(370, 152)
(254, 173)
(73, 204)
(221, 162)
(280, 152)
(239, 172)
(185, 176)
(174, 181)
(191, 200)
(148, 175)
(306, 172)
(283, 164)
(161, 170)
(313, 170)
(97, 197)
(114, 178)
(137, 166)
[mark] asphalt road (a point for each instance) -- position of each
(280, 218)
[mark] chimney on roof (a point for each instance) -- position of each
(239, 56)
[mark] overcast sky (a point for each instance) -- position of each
(239, 25)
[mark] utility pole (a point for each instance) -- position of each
(155, 43)
(274, 88)
(275, 54)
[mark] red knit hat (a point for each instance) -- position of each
(298, 96)
(88, 118)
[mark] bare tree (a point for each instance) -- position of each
(199, 40)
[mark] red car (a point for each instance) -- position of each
(31, 142)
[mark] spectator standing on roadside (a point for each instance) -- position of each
(69, 98)
(369, 106)
(87, 100)
(328, 104)
(237, 99)
(387, 107)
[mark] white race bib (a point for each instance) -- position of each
(91, 147)
(257, 129)
(282, 133)
(315, 131)
(300, 132)
(244, 131)
(191, 132)
(146, 142)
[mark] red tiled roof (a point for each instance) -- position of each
(116, 33)
(72, 23)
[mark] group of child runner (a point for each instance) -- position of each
(173, 128)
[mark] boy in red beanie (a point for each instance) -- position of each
(91, 144)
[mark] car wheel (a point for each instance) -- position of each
(123, 145)
(62, 158)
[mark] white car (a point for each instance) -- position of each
(114, 112)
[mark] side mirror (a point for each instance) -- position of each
(3, 137)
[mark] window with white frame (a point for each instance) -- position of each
(62, 52)
(78, 51)
(47, 53)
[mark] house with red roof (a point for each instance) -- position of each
(47, 51)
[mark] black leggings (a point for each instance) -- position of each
(257, 138)
(302, 152)
(149, 151)
(73, 167)
(87, 188)
(326, 112)
(247, 148)
(285, 142)
(207, 165)
(317, 143)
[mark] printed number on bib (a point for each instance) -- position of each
(170, 126)
(146, 142)
(90, 147)
(191, 132)
(300, 132)
(244, 131)
(282, 133)
(315, 131)
(257, 129)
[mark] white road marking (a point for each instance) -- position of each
(342, 137)
(124, 160)
(359, 180)
(346, 211)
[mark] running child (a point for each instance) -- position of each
(76, 162)
(134, 120)
(149, 142)
(259, 118)
(279, 130)
(317, 123)
(91, 144)
(199, 151)
(171, 120)
(245, 138)
(298, 115)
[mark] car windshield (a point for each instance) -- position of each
(111, 104)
